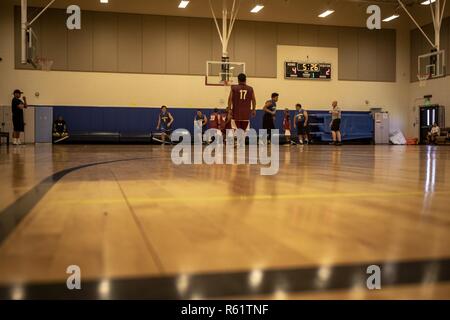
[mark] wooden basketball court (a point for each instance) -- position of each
(97, 98)
(329, 214)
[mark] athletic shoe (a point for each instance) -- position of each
(159, 140)
(293, 143)
(61, 139)
(339, 144)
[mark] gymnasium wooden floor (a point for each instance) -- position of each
(140, 227)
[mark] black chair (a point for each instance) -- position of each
(4, 135)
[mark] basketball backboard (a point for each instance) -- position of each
(31, 48)
(431, 65)
(29, 40)
(220, 73)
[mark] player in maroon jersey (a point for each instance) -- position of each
(225, 122)
(242, 103)
(215, 119)
(287, 126)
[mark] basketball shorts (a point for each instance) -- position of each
(241, 124)
(165, 129)
(301, 128)
(336, 125)
(268, 122)
(18, 123)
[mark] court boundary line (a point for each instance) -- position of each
(261, 197)
(218, 285)
(13, 215)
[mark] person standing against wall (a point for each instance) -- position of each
(17, 106)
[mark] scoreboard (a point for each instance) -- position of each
(301, 70)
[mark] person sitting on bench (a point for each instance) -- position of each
(433, 134)
(60, 130)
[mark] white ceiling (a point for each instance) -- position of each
(348, 12)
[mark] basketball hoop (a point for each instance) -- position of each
(228, 83)
(423, 79)
(44, 64)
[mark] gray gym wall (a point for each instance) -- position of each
(117, 42)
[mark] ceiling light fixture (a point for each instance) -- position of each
(183, 4)
(326, 13)
(394, 16)
(257, 8)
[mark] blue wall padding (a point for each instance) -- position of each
(126, 120)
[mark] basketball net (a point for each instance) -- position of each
(44, 64)
(423, 79)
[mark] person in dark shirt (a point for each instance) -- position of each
(17, 106)
(301, 124)
(164, 126)
(60, 130)
(270, 109)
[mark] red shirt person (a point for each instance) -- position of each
(242, 103)
(287, 121)
(215, 120)
(225, 121)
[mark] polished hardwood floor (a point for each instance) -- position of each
(127, 212)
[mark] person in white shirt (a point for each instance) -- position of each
(434, 133)
(335, 124)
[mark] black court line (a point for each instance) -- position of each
(213, 285)
(11, 216)
(242, 284)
